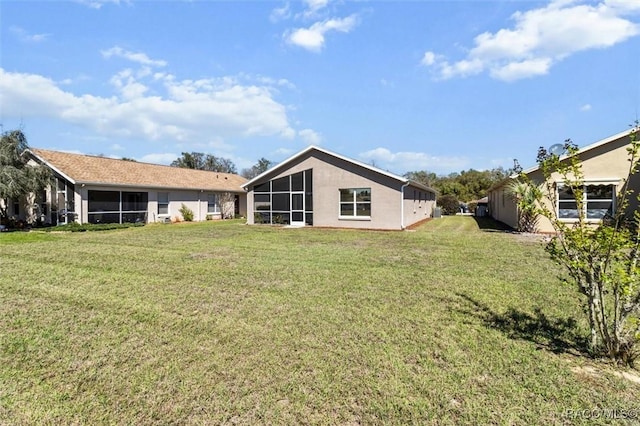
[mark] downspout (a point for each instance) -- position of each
(402, 205)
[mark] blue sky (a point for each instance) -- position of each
(442, 86)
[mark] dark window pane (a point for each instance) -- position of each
(308, 202)
(281, 184)
(297, 216)
(363, 209)
(568, 210)
(346, 195)
(263, 187)
(280, 202)
(104, 217)
(565, 193)
(600, 192)
(364, 194)
(262, 217)
(134, 201)
(598, 209)
(308, 218)
(140, 217)
(281, 219)
(297, 182)
(104, 201)
(296, 202)
(346, 209)
(308, 180)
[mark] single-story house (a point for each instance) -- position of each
(605, 164)
(317, 187)
(94, 189)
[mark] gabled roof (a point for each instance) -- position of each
(582, 150)
(310, 148)
(88, 169)
(594, 145)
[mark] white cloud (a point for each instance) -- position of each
(97, 4)
(585, 107)
(314, 6)
(403, 162)
(140, 58)
(280, 13)
(310, 137)
(540, 38)
(157, 107)
(116, 147)
(23, 35)
(313, 38)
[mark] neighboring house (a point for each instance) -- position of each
(604, 164)
(321, 188)
(91, 189)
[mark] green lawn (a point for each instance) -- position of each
(219, 322)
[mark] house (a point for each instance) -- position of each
(317, 187)
(605, 164)
(92, 189)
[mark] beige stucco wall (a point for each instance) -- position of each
(502, 208)
(331, 174)
(607, 163)
(194, 200)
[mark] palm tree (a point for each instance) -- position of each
(526, 196)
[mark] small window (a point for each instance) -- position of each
(597, 201)
(355, 203)
(163, 203)
(213, 203)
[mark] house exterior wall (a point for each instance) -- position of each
(197, 201)
(502, 208)
(607, 164)
(418, 205)
(330, 174)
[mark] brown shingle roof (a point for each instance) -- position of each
(90, 169)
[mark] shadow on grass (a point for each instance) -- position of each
(558, 335)
(489, 224)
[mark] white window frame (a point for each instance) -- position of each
(585, 200)
(163, 204)
(354, 202)
(213, 203)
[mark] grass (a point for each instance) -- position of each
(222, 323)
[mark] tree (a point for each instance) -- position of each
(450, 204)
(227, 202)
(260, 167)
(423, 176)
(526, 196)
(18, 178)
(602, 260)
(200, 161)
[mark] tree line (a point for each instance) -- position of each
(465, 186)
(202, 161)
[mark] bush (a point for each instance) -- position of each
(76, 227)
(450, 204)
(187, 213)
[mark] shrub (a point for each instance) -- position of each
(187, 213)
(450, 204)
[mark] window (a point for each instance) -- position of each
(285, 199)
(117, 207)
(355, 203)
(163, 203)
(597, 201)
(213, 203)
